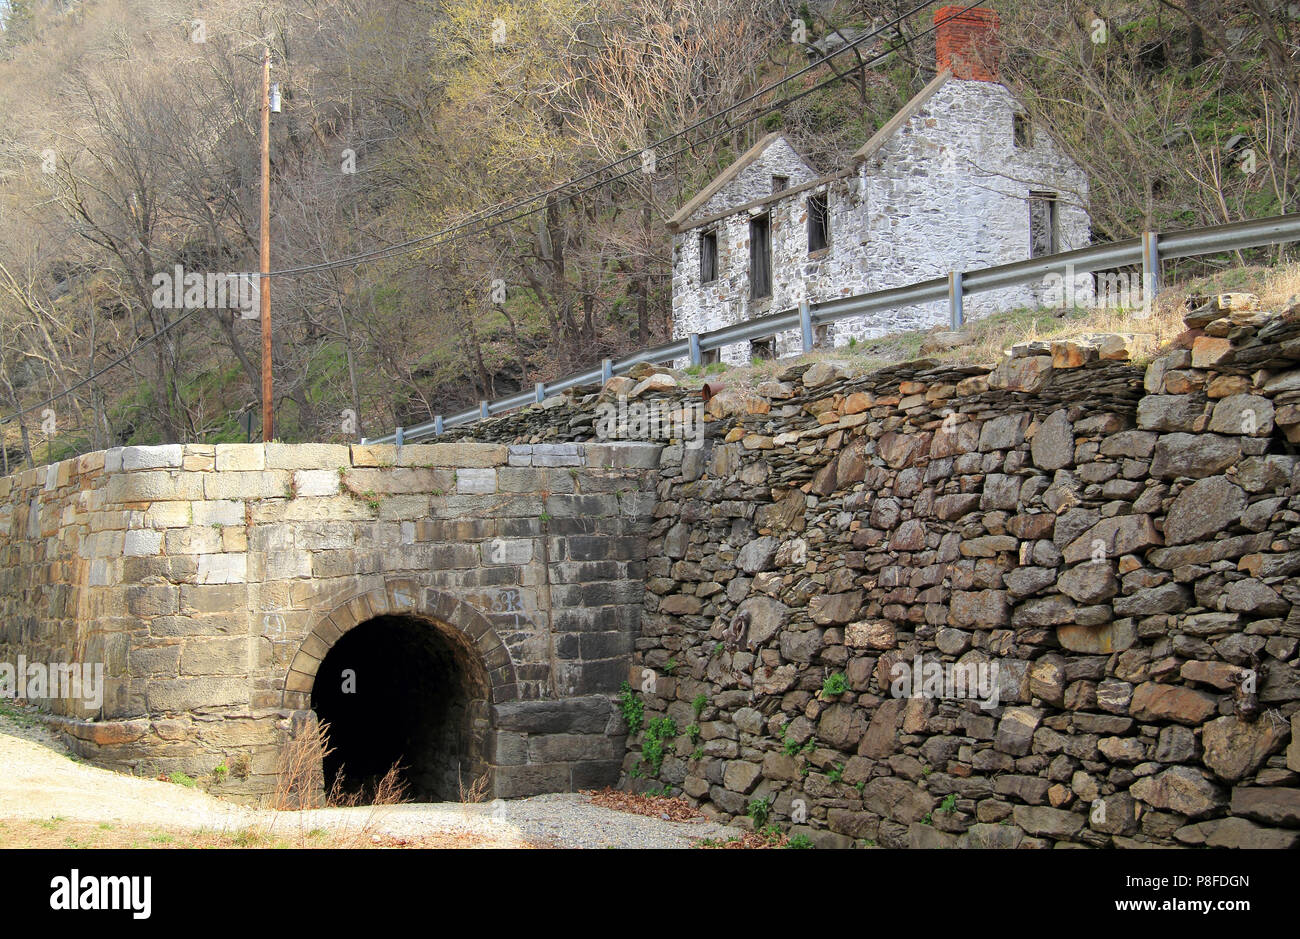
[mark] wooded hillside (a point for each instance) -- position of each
(464, 150)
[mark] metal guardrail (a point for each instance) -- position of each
(1146, 251)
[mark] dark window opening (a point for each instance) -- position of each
(1043, 235)
(398, 690)
(1022, 130)
(708, 256)
(780, 183)
(760, 256)
(819, 223)
(763, 348)
(710, 356)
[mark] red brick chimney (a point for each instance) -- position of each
(966, 41)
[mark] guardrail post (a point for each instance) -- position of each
(1150, 265)
(606, 371)
(806, 325)
(483, 412)
(539, 391)
(437, 426)
(957, 314)
(696, 357)
(397, 436)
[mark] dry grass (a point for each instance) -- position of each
(300, 786)
(59, 833)
(476, 791)
(991, 336)
(1281, 287)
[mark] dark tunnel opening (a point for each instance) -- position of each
(404, 690)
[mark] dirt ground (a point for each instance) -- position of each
(48, 799)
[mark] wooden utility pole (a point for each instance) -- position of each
(268, 428)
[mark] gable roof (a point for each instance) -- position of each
(905, 114)
(730, 173)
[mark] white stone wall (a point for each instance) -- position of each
(949, 191)
(701, 307)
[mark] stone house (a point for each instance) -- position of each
(959, 179)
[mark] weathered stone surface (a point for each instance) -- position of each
(766, 617)
(880, 739)
(835, 608)
(1053, 446)
(1112, 537)
(1235, 748)
(1089, 582)
(1097, 640)
(1207, 506)
(1015, 734)
(758, 555)
(1236, 833)
(1048, 822)
(841, 726)
(1272, 805)
(1194, 455)
(1156, 702)
(1181, 789)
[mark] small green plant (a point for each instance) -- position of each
(699, 704)
(926, 819)
(790, 747)
(759, 810)
(810, 746)
(799, 842)
(835, 685)
(633, 708)
(220, 771)
(927, 770)
(693, 732)
(698, 754)
(949, 803)
(835, 773)
(544, 517)
(718, 647)
(660, 730)
(671, 666)
(218, 526)
(180, 779)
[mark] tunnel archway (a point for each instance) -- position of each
(403, 689)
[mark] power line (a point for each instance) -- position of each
(111, 365)
(385, 252)
(410, 244)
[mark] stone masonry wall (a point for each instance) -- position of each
(211, 580)
(1120, 542)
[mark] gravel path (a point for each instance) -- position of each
(38, 781)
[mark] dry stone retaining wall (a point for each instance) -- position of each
(1119, 541)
